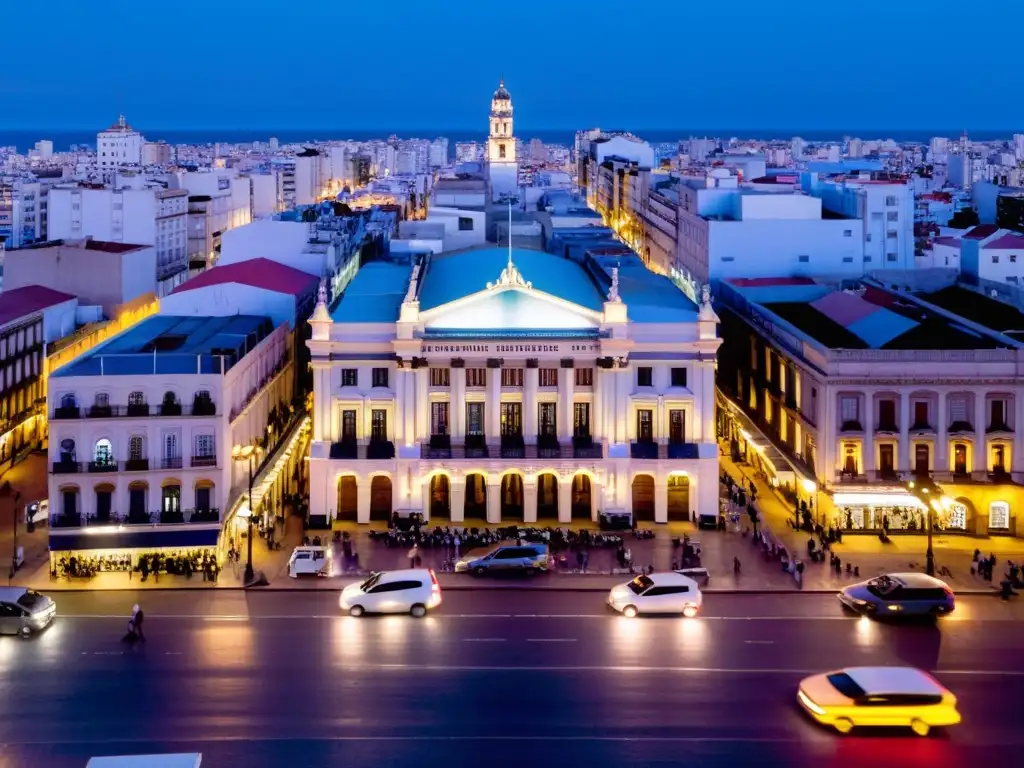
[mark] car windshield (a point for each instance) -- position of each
(370, 583)
(30, 600)
(883, 586)
(846, 685)
(640, 584)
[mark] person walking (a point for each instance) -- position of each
(137, 617)
(586, 559)
(414, 555)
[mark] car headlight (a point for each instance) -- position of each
(806, 701)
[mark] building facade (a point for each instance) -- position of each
(502, 167)
(513, 386)
(118, 146)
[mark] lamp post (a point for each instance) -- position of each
(928, 499)
(248, 452)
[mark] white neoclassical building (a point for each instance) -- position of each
(510, 386)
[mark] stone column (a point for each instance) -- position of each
(493, 499)
(493, 407)
(564, 500)
(530, 501)
(321, 401)
(457, 499)
(869, 432)
(597, 420)
(405, 406)
(979, 462)
(363, 500)
(421, 376)
(457, 406)
(904, 460)
(566, 383)
(531, 383)
(942, 435)
(621, 409)
(660, 500)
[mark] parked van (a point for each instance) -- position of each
(310, 561)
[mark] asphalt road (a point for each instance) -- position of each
(491, 678)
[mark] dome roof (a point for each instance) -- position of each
(501, 93)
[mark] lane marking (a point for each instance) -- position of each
(759, 642)
(632, 669)
(483, 639)
(551, 639)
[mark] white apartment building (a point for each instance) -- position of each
(23, 212)
(118, 146)
(156, 153)
(147, 215)
(623, 147)
(142, 430)
(865, 390)
(513, 385)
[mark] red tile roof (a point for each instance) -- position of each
(952, 242)
(981, 231)
(18, 302)
(259, 273)
(1008, 242)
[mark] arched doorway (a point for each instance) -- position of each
(643, 498)
(511, 497)
(547, 496)
(678, 497)
(138, 505)
(476, 498)
(348, 499)
(380, 498)
(440, 497)
(104, 503)
(581, 497)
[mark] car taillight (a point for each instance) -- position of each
(434, 587)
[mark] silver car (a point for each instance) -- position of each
(24, 611)
(530, 558)
(899, 594)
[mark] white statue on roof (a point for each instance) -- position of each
(613, 292)
(705, 295)
(321, 294)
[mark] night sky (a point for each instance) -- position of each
(404, 64)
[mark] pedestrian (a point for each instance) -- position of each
(458, 542)
(586, 559)
(579, 559)
(736, 566)
(137, 617)
(414, 555)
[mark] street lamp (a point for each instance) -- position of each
(924, 488)
(248, 452)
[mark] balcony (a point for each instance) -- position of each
(842, 476)
(999, 426)
(67, 412)
(439, 447)
(513, 447)
(887, 426)
(139, 409)
(548, 446)
(100, 411)
(136, 465)
(203, 515)
(203, 406)
(66, 521)
(111, 518)
(683, 451)
(103, 465)
(476, 447)
(644, 449)
(170, 462)
(63, 467)
(584, 447)
(168, 408)
(204, 461)
(999, 475)
(380, 449)
(137, 517)
(346, 449)
(960, 427)
(853, 425)
(172, 516)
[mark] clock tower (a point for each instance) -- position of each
(503, 171)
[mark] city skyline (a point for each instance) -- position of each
(452, 55)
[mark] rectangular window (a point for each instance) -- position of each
(465, 224)
(847, 233)
(892, 216)
(476, 377)
(887, 414)
(439, 377)
(581, 420)
(548, 419)
(380, 377)
(892, 234)
(891, 257)
(644, 376)
(439, 418)
(512, 377)
(803, 259)
(645, 425)
(348, 426)
(890, 200)
(474, 418)
(511, 419)
(349, 377)
(204, 446)
(957, 409)
(997, 414)
(676, 426)
(1013, 258)
(849, 408)
(584, 377)
(378, 425)
(678, 377)
(995, 259)
(920, 413)
(549, 377)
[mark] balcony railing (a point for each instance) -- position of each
(136, 465)
(584, 447)
(204, 461)
(172, 516)
(887, 426)
(141, 517)
(139, 409)
(346, 449)
(921, 426)
(204, 407)
(380, 449)
(513, 447)
(644, 449)
(960, 426)
(67, 412)
(682, 451)
(203, 515)
(66, 467)
(198, 408)
(851, 425)
(66, 521)
(549, 450)
(103, 465)
(170, 462)
(170, 409)
(100, 411)
(111, 518)
(1000, 426)
(439, 447)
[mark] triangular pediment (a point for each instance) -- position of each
(511, 308)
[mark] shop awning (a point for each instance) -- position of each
(126, 538)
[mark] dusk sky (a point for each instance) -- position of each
(406, 64)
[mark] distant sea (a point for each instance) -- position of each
(62, 140)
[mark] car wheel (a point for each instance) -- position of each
(25, 633)
(478, 571)
(630, 611)
(418, 611)
(356, 610)
(919, 727)
(843, 725)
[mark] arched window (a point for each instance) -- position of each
(171, 446)
(136, 398)
(102, 400)
(136, 448)
(103, 452)
(170, 398)
(67, 449)
(68, 400)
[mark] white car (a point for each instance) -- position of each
(413, 591)
(671, 593)
(310, 561)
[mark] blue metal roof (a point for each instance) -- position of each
(649, 297)
(375, 294)
(453, 276)
(168, 344)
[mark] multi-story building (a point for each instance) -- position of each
(23, 212)
(513, 386)
(624, 147)
(146, 215)
(156, 153)
(143, 428)
(859, 391)
(621, 189)
(118, 146)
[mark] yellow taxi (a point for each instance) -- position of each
(878, 696)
